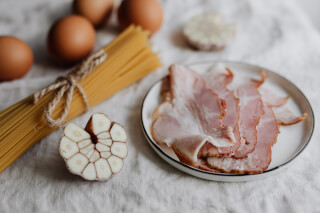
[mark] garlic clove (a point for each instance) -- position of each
(90, 153)
(75, 133)
(84, 143)
(68, 148)
(102, 148)
(117, 133)
(105, 154)
(87, 149)
(103, 135)
(103, 169)
(89, 172)
(119, 149)
(107, 142)
(98, 123)
(77, 163)
(116, 163)
(95, 156)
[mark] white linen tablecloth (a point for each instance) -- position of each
(274, 34)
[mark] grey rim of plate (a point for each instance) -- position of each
(226, 177)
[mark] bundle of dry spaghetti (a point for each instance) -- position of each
(127, 59)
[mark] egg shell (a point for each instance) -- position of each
(71, 39)
(96, 11)
(146, 13)
(16, 58)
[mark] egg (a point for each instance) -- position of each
(16, 58)
(71, 39)
(146, 13)
(96, 11)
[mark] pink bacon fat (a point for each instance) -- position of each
(203, 165)
(268, 97)
(258, 160)
(190, 117)
(286, 117)
(217, 80)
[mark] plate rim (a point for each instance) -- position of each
(288, 162)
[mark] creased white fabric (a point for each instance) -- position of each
(274, 34)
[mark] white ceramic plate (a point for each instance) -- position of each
(291, 141)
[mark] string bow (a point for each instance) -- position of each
(65, 86)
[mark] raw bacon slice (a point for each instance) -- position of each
(258, 160)
(268, 97)
(217, 80)
(285, 117)
(251, 109)
(191, 118)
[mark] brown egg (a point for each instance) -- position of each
(16, 58)
(71, 39)
(146, 13)
(96, 11)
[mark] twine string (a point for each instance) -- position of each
(65, 86)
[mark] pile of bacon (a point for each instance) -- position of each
(211, 127)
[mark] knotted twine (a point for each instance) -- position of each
(65, 86)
